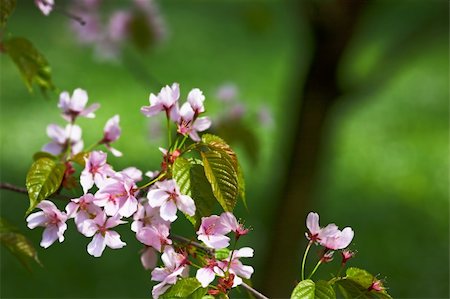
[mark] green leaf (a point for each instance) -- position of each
(43, 179)
(356, 284)
(32, 65)
(304, 290)
(6, 9)
(39, 155)
(217, 143)
(222, 176)
(199, 293)
(17, 244)
(184, 288)
(324, 290)
(190, 177)
(360, 276)
(307, 289)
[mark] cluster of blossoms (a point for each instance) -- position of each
(110, 197)
(107, 34)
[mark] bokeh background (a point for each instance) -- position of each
(348, 108)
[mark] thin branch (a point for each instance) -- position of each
(11, 187)
(193, 243)
(253, 291)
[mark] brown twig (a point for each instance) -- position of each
(258, 295)
(11, 187)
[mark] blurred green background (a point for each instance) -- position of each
(383, 164)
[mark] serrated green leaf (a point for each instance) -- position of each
(17, 244)
(360, 276)
(356, 283)
(32, 65)
(198, 294)
(184, 288)
(324, 290)
(190, 177)
(43, 179)
(304, 290)
(241, 183)
(217, 143)
(6, 9)
(39, 155)
(222, 176)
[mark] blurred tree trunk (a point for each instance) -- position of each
(332, 23)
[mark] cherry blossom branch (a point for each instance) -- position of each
(11, 187)
(14, 188)
(253, 291)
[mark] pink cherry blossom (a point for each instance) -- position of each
(207, 274)
(45, 6)
(99, 227)
(149, 258)
(236, 267)
(146, 216)
(230, 221)
(156, 236)
(346, 255)
(166, 100)
(111, 133)
(82, 209)
(338, 240)
(74, 106)
(175, 264)
(316, 233)
(377, 286)
(212, 232)
(96, 170)
(167, 196)
(195, 99)
(133, 173)
(117, 195)
(52, 219)
(189, 124)
(62, 138)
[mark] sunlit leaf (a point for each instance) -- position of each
(190, 177)
(43, 179)
(304, 290)
(39, 155)
(32, 65)
(222, 176)
(184, 288)
(17, 244)
(6, 9)
(217, 143)
(324, 290)
(356, 284)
